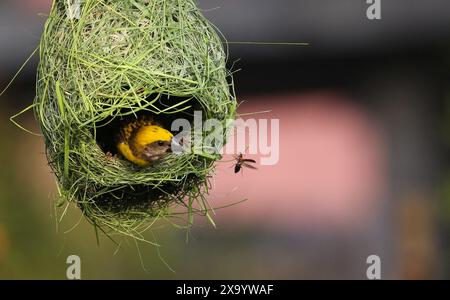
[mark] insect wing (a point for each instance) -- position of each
(249, 166)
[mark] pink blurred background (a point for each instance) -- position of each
(332, 169)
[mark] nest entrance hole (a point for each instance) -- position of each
(141, 196)
(106, 131)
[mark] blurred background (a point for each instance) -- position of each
(364, 141)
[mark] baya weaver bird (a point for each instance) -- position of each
(143, 141)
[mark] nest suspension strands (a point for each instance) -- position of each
(122, 60)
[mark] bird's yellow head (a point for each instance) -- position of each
(152, 142)
(144, 144)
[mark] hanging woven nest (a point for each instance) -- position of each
(110, 60)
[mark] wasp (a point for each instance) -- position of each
(242, 162)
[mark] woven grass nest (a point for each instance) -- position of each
(119, 59)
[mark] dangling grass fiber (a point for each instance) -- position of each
(121, 59)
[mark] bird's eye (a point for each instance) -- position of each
(160, 143)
